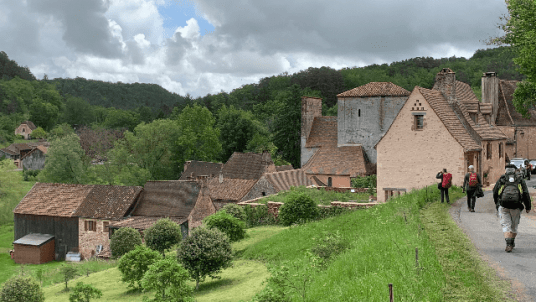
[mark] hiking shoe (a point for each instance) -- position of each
(508, 248)
(472, 210)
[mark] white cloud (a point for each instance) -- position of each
(140, 38)
(190, 31)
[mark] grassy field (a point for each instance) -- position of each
(11, 195)
(320, 196)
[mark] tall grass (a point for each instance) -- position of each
(12, 190)
(320, 196)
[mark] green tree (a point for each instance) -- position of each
(520, 33)
(21, 288)
(77, 111)
(135, 263)
(237, 128)
(205, 253)
(39, 133)
(162, 235)
(124, 240)
(168, 279)
(298, 208)
(287, 126)
(84, 292)
(68, 273)
(60, 131)
(235, 210)
(64, 161)
(199, 139)
(231, 226)
(117, 118)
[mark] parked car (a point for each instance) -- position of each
(520, 164)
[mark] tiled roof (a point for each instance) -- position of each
(333, 160)
(196, 168)
(486, 108)
(465, 94)
(507, 114)
(69, 200)
(171, 198)
(9, 151)
(30, 124)
(282, 181)
(231, 189)
(112, 202)
(248, 165)
(443, 110)
(375, 89)
(283, 168)
(142, 222)
(323, 132)
(484, 130)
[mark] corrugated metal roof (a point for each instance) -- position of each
(34, 239)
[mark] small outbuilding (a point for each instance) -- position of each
(34, 249)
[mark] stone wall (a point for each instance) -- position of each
(428, 151)
(262, 188)
(494, 166)
(89, 240)
(34, 161)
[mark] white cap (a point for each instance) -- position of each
(471, 167)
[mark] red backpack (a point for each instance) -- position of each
(447, 181)
(473, 180)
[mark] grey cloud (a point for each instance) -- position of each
(134, 54)
(86, 29)
(18, 30)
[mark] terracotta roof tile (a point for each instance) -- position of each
(484, 130)
(445, 112)
(375, 89)
(70, 200)
(333, 160)
(171, 198)
(465, 94)
(142, 222)
(507, 113)
(323, 132)
(283, 168)
(282, 181)
(196, 168)
(30, 124)
(248, 165)
(231, 189)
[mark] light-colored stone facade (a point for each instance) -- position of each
(262, 188)
(24, 130)
(88, 240)
(410, 159)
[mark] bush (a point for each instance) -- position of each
(231, 226)
(84, 292)
(68, 272)
(235, 210)
(205, 253)
(124, 240)
(298, 208)
(135, 263)
(365, 182)
(39, 133)
(330, 245)
(326, 212)
(259, 216)
(30, 174)
(21, 288)
(163, 235)
(168, 279)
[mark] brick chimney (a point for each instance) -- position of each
(311, 108)
(490, 92)
(220, 178)
(445, 82)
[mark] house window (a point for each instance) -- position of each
(488, 150)
(500, 150)
(263, 193)
(418, 122)
(473, 116)
(330, 182)
(358, 112)
(91, 225)
(106, 227)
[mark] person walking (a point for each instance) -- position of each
(446, 183)
(528, 169)
(511, 196)
(470, 185)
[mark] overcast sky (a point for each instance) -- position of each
(205, 46)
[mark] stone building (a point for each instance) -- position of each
(194, 169)
(76, 216)
(443, 127)
(31, 156)
(25, 129)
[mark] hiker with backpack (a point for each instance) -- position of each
(470, 185)
(511, 196)
(446, 183)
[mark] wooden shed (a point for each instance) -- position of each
(34, 249)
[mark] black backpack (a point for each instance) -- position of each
(510, 193)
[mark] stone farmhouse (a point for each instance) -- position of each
(30, 156)
(77, 217)
(194, 169)
(442, 127)
(25, 129)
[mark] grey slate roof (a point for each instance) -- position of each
(34, 239)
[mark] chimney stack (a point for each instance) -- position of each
(490, 92)
(220, 178)
(445, 82)
(310, 108)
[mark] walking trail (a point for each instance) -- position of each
(484, 229)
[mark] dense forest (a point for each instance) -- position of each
(150, 132)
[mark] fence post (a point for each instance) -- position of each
(391, 298)
(417, 259)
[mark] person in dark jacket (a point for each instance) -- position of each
(471, 190)
(509, 208)
(444, 191)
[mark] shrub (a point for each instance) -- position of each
(326, 212)
(330, 245)
(124, 240)
(84, 292)
(68, 272)
(228, 224)
(365, 182)
(135, 263)
(163, 235)
(39, 133)
(298, 208)
(168, 279)
(235, 210)
(259, 216)
(205, 253)
(21, 288)
(30, 174)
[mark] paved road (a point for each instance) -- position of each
(484, 229)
